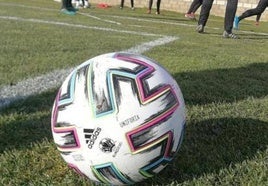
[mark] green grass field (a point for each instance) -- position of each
(224, 83)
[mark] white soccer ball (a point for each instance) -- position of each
(118, 118)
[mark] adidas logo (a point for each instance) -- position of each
(91, 136)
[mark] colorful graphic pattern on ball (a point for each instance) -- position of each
(122, 111)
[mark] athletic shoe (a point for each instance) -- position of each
(79, 6)
(190, 16)
(229, 35)
(86, 5)
(200, 29)
(133, 8)
(157, 12)
(148, 11)
(72, 9)
(67, 12)
(236, 23)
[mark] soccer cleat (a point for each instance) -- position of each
(229, 35)
(133, 8)
(157, 12)
(236, 23)
(200, 29)
(67, 12)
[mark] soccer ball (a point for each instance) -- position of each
(118, 118)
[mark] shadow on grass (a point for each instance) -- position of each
(167, 19)
(245, 35)
(224, 85)
(209, 145)
(253, 36)
(28, 122)
(214, 144)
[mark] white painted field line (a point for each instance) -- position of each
(95, 17)
(154, 21)
(30, 7)
(149, 45)
(78, 26)
(37, 85)
(31, 86)
(50, 9)
(133, 18)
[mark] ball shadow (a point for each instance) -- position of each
(212, 145)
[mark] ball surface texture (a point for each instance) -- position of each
(118, 118)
